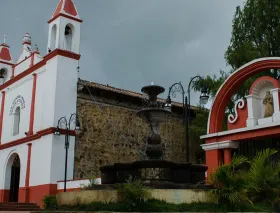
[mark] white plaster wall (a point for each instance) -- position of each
(40, 166)
(39, 100)
(73, 184)
(37, 58)
(23, 88)
(24, 53)
(23, 66)
(58, 158)
(47, 93)
(66, 88)
(262, 95)
(22, 151)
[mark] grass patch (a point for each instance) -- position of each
(162, 206)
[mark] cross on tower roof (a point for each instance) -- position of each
(5, 37)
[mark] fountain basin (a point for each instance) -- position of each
(156, 115)
(154, 172)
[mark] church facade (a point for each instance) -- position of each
(33, 97)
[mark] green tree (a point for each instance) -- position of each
(255, 34)
(197, 127)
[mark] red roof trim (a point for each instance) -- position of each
(5, 54)
(5, 62)
(66, 16)
(69, 8)
(4, 45)
(272, 131)
(59, 8)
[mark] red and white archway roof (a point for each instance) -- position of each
(230, 86)
(5, 54)
(66, 7)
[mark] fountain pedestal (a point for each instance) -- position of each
(155, 172)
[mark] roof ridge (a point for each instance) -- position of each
(125, 91)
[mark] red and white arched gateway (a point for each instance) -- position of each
(249, 122)
(35, 91)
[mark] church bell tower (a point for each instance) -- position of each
(64, 28)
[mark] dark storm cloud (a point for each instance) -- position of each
(131, 43)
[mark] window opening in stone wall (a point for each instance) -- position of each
(16, 121)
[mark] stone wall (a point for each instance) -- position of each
(111, 132)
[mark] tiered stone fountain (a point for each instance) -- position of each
(155, 172)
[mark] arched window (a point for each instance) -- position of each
(53, 37)
(16, 121)
(3, 75)
(68, 33)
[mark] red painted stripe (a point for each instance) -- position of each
(2, 114)
(32, 60)
(66, 16)
(28, 165)
(33, 137)
(13, 72)
(5, 62)
(32, 111)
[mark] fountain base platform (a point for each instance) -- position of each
(155, 174)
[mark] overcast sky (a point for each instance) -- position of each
(131, 43)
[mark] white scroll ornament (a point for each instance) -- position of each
(240, 104)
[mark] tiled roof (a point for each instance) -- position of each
(122, 91)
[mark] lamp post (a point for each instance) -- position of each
(62, 122)
(177, 87)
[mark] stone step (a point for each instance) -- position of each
(19, 207)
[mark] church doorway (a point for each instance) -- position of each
(13, 177)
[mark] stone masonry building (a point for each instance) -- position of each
(111, 132)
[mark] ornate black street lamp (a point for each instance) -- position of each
(177, 87)
(62, 122)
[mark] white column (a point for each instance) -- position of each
(276, 114)
(253, 106)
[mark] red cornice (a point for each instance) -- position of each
(5, 62)
(36, 136)
(64, 53)
(66, 16)
(270, 132)
(51, 55)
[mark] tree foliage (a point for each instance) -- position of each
(255, 34)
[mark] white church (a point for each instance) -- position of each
(33, 97)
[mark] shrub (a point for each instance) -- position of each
(50, 203)
(264, 182)
(133, 193)
(243, 182)
(230, 183)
